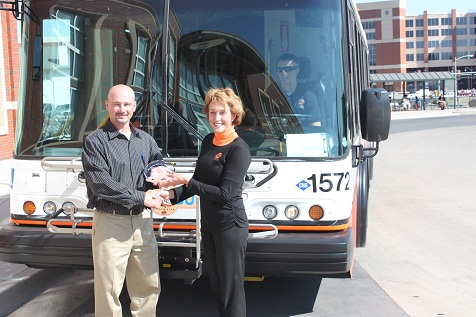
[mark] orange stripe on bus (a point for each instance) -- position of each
(313, 228)
(189, 227)
(55, 223)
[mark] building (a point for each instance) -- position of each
(429, 42)
(9, 80)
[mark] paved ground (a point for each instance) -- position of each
(420, 246)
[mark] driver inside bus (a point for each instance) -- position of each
(301, 100)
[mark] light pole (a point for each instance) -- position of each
(456, 77)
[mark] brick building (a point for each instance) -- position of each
(428, 42)
(9, 80)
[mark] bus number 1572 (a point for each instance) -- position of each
(327, 180)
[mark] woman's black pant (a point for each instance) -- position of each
(225, 262)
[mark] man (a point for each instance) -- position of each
(406, 104)
(123, 240)
(301, 100)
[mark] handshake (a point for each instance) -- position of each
(156, 198)
(164, 177)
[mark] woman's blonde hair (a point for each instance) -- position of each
(228, 97)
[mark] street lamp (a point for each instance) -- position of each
(456, 75)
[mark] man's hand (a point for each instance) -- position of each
(153, 199)
(163, 193)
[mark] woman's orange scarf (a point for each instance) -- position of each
(225, 137)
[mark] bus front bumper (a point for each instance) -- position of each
(302, 254)
(36, 247)
(289, 254)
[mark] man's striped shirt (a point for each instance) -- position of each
(113, 167)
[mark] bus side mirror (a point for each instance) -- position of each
(375, 114)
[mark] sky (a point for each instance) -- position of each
(416, 7)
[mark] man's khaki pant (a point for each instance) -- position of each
(125, 247)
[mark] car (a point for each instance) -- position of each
(466, 92)
(427, 92)
(449, 94)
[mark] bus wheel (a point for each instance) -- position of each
(371, 168)
(362, 206)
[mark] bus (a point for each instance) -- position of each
(306, 191)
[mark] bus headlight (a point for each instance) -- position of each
(291, 212)
(270, 212)
(49, 207)
(29, 207)
(316, 212)
(68, 207)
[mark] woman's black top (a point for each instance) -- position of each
(218, 180)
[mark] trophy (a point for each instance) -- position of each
(157, 171)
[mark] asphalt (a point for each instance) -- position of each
(18, 279)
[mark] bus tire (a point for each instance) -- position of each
(362, 206)
(371, 168)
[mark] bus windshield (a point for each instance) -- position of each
(284, 59)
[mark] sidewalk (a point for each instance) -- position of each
(418, 114)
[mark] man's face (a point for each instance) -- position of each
(121, 105)
(287, 71)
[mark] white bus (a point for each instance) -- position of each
(306, 192)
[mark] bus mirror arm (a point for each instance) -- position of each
(357, 155)
(360, 153)
(371, 151)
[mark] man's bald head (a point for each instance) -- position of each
(120, 105)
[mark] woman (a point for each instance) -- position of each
(442, 102)
(218, 178)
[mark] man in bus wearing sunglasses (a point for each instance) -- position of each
(301, 100)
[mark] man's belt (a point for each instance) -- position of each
(131, 212)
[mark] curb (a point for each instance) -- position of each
(24, 286)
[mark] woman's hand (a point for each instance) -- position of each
(173, 180)
(158, 174)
